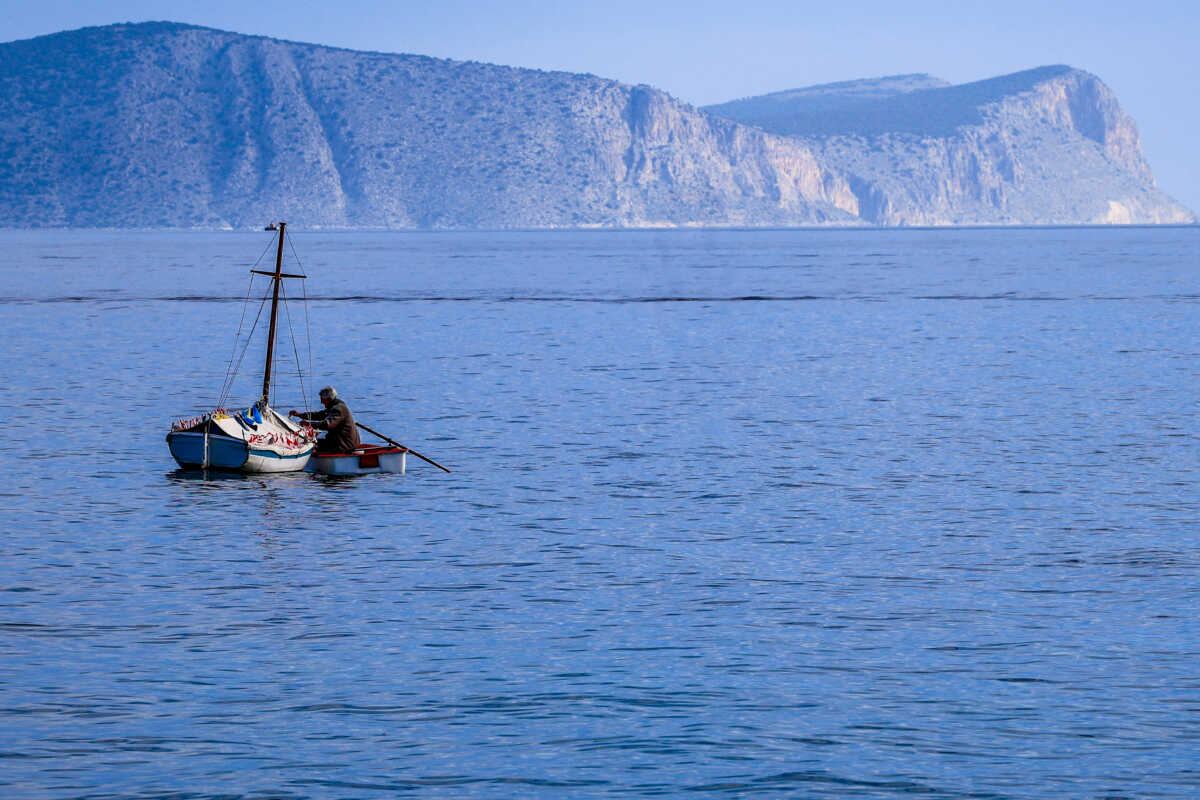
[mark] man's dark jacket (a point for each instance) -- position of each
(337, 419)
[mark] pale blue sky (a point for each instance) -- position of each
(706, 52)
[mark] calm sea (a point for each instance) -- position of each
(817, 514)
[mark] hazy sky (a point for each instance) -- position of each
(705, 52)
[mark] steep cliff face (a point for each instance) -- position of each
(164, 124)
(1046, 146)
(160, 124)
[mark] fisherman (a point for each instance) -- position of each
(337, 419)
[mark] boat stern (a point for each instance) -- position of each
(363, 461)
(205, 451)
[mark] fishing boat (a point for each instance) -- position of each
(363, 460)
(253, 439)
(368, 458)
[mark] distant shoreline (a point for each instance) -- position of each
(648, 229)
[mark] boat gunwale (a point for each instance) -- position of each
(368, 450)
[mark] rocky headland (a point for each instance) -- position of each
(1041, 147)
(170, 125)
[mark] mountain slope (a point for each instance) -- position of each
(161, 124)
(1044, 146)
(165, 124)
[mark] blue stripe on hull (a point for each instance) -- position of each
(224, 452)
(273, 454)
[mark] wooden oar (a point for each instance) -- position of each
(394, 443)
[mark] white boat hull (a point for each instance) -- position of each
(266, 461)
(363, 461)
(241, 441)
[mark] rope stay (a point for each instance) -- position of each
(233, 366)
(263, 253)
(225, 390)
(295, 351)
(307, 330)
(237, 337)
(230, 370)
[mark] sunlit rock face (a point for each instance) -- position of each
(1046, 146)
(161, 124)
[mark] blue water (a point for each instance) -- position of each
(815, 514)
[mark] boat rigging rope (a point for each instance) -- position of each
(225, 390)
(233, 366)
(295, 350)
(307, 337)
(230, 371)
(233, 354)
(307, 331)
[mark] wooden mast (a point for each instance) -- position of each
(276, 278)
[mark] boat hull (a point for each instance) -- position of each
(227, 453)
(224, 452)
(363, 461)
(268, 461)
